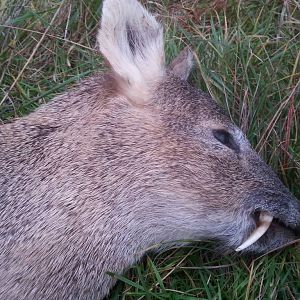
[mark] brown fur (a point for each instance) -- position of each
(90, 181)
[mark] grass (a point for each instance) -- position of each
(248, 60)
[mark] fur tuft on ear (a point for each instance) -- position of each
(131, 40)
(182, 64)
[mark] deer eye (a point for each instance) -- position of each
(226, 139)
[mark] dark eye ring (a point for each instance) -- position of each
(226, 139)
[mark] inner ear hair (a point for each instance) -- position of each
(131, 40)
(182, 64)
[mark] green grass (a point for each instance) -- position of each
(248, 60)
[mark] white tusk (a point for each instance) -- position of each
(265, 220)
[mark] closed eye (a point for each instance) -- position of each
(226, 139)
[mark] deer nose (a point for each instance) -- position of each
(287, 210)
(281, 204)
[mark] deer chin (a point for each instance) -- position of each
(264, 221)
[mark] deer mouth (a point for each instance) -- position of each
(263, 222)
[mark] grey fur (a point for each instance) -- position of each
(91, 180)
(182, 65)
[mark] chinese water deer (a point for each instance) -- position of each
(123, 161)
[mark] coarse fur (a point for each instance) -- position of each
(94, 178)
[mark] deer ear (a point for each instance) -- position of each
(182, 64)
(131, 40)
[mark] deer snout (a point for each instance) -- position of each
(276, 219)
